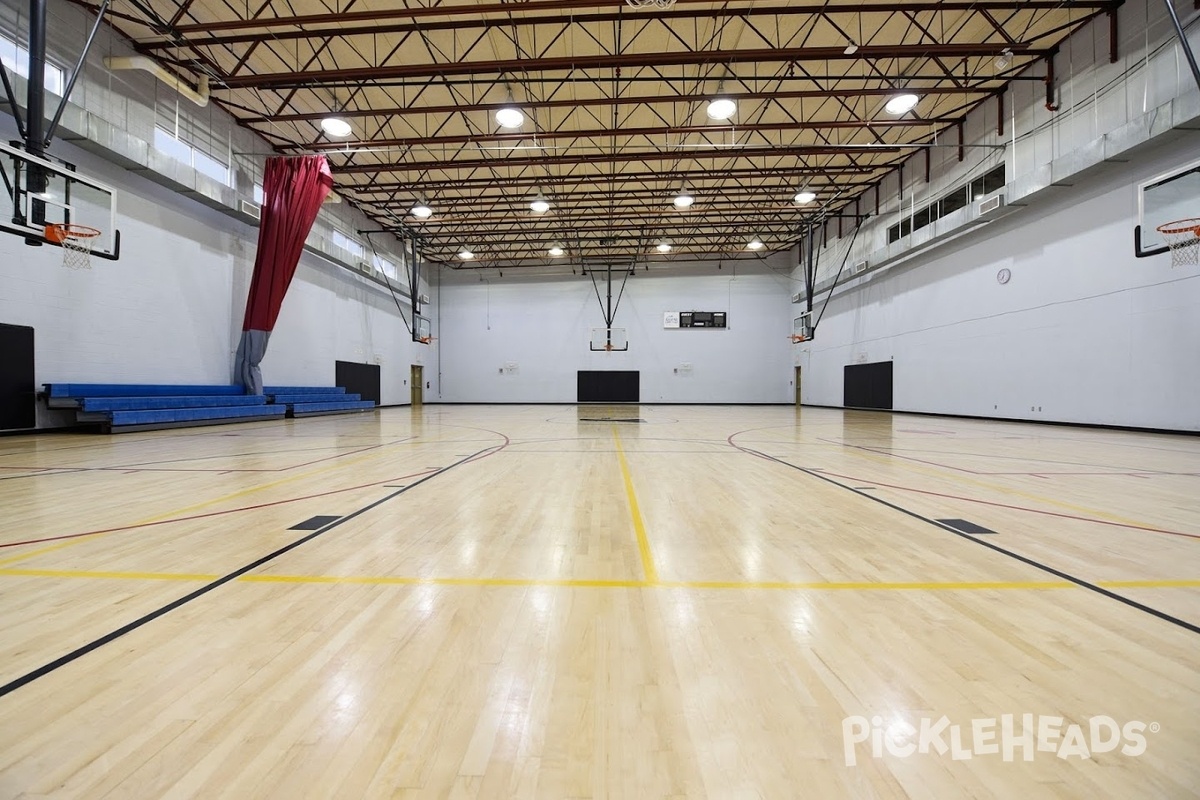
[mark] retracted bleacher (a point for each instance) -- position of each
(118, 408)
(123, 407)
(307, 401)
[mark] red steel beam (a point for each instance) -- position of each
(311, 78)
(538, 135)
(514, 10)
(716, 152)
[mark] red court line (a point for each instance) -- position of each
(497, 449)
(215, 513)
(131, 468)
(892, 453)
(865, 481)
(1016, 508)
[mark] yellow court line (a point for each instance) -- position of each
(583, 583)
(31, 554)
(871, 585)
(410, 581)
(639, 526)
(1185, 584)
(194, 507)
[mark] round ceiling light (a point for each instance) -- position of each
(805, 196)
(754, 244)
(902, 104)
(684, 199)
(721, 108)
(510, 117)
(557, 250)
(663, 246)
(422, 210)
(540, 204)
(335, 126)
(465, 254)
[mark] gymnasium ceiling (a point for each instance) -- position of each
(615, 99)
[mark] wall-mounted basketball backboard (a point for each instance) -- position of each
(39, 193)
(1169, 197)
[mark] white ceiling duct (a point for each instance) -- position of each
(199, 95)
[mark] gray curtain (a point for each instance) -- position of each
(250, 352)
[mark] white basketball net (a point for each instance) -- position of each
(77, 250)
(1183, 237)
(650, 3)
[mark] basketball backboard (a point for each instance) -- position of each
(609, 340)
(422, 329)
(39, 192)
(1172, 196)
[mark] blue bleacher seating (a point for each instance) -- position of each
(141, 403)
(124, 407)
(308, 409)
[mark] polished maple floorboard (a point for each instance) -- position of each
(560, 602)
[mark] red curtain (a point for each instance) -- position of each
(293, 190)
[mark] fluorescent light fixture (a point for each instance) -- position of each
(510, 117)
(851, 49)
(721, 108)
(335, 126)
(540, 204)
(557, 250)
(754, 244)
(805, 196)
(684, 199)
(465, 254)
(664, 246)
(902, 104)
(422, 210)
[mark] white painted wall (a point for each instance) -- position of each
(542, 325)
(1084, 332)
(170, 310)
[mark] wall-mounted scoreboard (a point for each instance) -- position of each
(694, 319)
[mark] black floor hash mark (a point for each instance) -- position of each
(965, 526)
(313, 523)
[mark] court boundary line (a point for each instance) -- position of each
(145, 619)
(975, 539)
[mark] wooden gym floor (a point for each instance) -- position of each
(540, 601)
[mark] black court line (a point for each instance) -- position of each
(62, 661)
(983, 543)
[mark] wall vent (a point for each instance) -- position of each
(991, 204)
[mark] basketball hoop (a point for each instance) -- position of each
(798, 339)
(1183, 237)
(426, 339)
(76, 242)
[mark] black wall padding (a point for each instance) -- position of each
(361, 379)
(868, 385)
(609, 386)
(18, 394)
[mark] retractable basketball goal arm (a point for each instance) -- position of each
(808, 256)
(606, 306)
